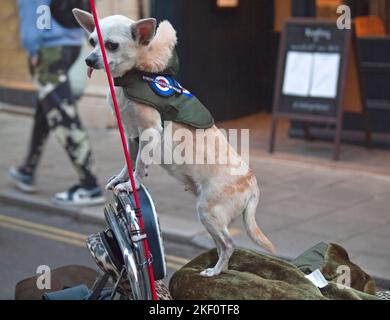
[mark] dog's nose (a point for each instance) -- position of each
(90, 62)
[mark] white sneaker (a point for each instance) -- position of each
(80, 196)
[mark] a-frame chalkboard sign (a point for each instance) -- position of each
(318, 77)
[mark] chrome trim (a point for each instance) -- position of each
(127, 252)
(129, 215)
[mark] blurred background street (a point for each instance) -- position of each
(229, 61)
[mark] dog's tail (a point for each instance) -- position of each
(252, 229)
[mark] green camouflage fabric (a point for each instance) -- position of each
(48, 70)
(178, 107)
(56, 112)
(328, 258)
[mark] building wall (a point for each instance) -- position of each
(13, 65)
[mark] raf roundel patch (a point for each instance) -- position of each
(163, 86)
(184, 91)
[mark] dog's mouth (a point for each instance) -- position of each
(89, 72)
(96, 66)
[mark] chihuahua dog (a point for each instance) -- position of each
(220, 195)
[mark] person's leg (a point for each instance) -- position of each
(58, 104)
(24, 176)
(39, 135)
(60, 109)
(64, 122)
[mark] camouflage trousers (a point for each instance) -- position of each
(56, 112)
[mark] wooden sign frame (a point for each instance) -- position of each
(350, 95)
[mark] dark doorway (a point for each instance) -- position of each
(304, 8)
(227, 56)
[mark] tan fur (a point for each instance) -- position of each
(220, 196)
(240, 185)
(155, 57)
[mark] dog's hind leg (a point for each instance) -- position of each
(212, 220)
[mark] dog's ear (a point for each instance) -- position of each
(85, 19)
(143, 31)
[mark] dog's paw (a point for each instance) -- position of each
(209, 273)
(114, 181)
(123, 187)
(126, 187)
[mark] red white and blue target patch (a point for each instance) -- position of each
(166, 86)
(163, 86)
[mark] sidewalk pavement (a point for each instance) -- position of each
(301, 204)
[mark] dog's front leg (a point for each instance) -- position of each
(142, 163)
(118, 178)
(123, 176)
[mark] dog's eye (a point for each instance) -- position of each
(92, 42)
(111, 45)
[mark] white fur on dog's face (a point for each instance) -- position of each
(116, 31)
(124, 41)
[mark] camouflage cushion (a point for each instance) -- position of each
(252, 276)
(333, 260)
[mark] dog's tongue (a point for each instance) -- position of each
(89, 72)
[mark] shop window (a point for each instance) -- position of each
(372, 17)
(283, 11)
(227, 3)
(327, 8)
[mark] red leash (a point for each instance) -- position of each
(124, 144)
